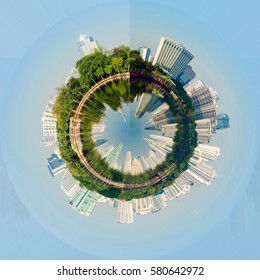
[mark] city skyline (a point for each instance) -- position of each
(225, 224)
(198, 173)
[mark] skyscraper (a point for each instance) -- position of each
(48, 141)
(159, 202)
(74, 73)
(169, 130)
(145, 53)
(186, 75)
(125, 212)
(68, 184)
(179, 187)
(223, 121)
(142, 206)
(203, 172)
(48, 120)
(86, 44)
(136, 167)
(151, 162)
(143, 163)
(208, 152)
(112, 158)
(203, 129)
(100, 142)
(156, 157)
(106, 151)
(163, 139)
(84, 201)
(148, 102)
(157, 146)
(204, 101)
(127, 168)
(98, 128)
(172, 57)
(56, 165)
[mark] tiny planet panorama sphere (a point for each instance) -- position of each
(181, 124)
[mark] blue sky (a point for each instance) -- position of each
(39, 39)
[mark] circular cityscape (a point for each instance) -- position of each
(131, 129)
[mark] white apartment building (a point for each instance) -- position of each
(172, 57)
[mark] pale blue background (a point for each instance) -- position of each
(219, 34)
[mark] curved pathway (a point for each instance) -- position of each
(76, 120)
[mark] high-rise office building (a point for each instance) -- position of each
(186, 75)
(157, 146)
(74, 73)
(152, 164)
(136, 167)
(223, 121)
(191, 178)
(99, 142)
(202, 98)
(161, 116)
(84, 201)
(158, 123)
(112, 158)
(172, 57)
(179, 187)
(127, 168)
(193, 87)
(142, 206)
(204, 101)
(69, 184)
(203, 129)
(157, 157)
(169, 130)
(196, 158)
(159, 202)
(161, 109)
(208, 152)
(203, 172)
(153, 106)
(102, 146)
(106, 151)
(162, 139)
(144, 164)
(98, 128)
(55, 164)
(86, 44)
(125, 212)
(49, 141)
(145, 53)
(48, 120)
(148, 102)
(162, 142)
